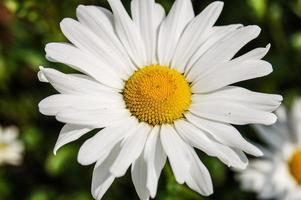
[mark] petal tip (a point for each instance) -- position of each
(65, 23)
(41, 75)
(81, 159)
(116, 173)
(269, 68)
(280, 98)
(259, 153)
(209, 191)
(256, 29)
(80, 6)
(55, 151)
(273, 119)
(219, 3)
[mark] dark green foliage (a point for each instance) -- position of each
(27, 25)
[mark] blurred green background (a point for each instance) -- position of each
(26, 26)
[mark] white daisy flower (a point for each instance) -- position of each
(158, 86)
(11, 148)
(278, 174)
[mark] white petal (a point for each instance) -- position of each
(155, 159)
(41, 75)
(143, 16)
(97, 19)
(148, 15)
(243, 156)
(9, 134)
(296, 118)
(54, 104)
(83, 38)
(131, 149)
(73, 84)
(215, 34)
(224, 133)
(84, 62)
(105, 182)
(139, 175)
(281, 113)
(239, 95)
(128, 33)
(102, 178)
(231, 112)
(223, 50)
(199, 139)
(232, 157)
(252, 180)
(255, 54)
(293, 194)
(171, 29)
(176, 150)
(198, 177)
(274, 136)
(96, 118)
(195, 137)
(70, 133)
(105, 140)
(159, 15)
(225, 74)
(195, 34)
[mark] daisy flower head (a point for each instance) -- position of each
(277, 175)
(11, 148)
(158, 86)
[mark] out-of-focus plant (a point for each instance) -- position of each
(25, 28)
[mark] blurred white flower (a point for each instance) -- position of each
(277, 175)
(11, 148)
(158, 86)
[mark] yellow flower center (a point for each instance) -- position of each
(295, 166)
(157, 94)
(3, 146)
